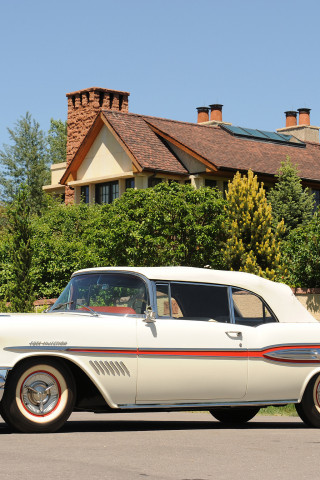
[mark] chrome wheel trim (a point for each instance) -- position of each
(40, 393)
(316, 394)
(60, 405)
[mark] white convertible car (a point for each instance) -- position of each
(174, 338)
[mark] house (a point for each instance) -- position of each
(110, 149)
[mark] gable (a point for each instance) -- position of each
(105, 157)
(190, 163)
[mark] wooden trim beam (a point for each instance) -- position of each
(82, 151)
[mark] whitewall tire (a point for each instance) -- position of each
(39, 396)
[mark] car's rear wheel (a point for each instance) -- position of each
(309, 407)
(235, 414)
(39, 396)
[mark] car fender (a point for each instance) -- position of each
(312, 373)
(73, 359)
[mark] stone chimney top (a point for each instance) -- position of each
(304, 131)
(216, 112)
(203, 114)
(304, 116)
(291, 118)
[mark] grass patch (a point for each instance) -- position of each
(287, 410)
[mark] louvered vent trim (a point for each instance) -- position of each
(110, 368)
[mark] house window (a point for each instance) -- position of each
(129, 183)
(210, 183)
(152, 181)
(85, 194)
(107, 192)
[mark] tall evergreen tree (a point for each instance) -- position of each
(20, 291)
(57, 140)
(25, 161)
(289, 200)
(251, 245)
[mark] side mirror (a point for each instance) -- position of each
(150, 315)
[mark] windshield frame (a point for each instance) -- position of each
(61, 300)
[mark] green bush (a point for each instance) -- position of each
(166, 225)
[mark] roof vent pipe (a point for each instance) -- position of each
(203, 114)
(291, 118)
(304, 116)
(216, 112)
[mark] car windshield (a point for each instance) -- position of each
(107, 293)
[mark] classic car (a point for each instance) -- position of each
(160, 338)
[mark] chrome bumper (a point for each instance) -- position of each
(3, 376)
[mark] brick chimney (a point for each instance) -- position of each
(83, 107)
(304, 116)
(291, 118)
(203, 114)
(216, 112)
(304, 131)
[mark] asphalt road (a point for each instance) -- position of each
(161, 446)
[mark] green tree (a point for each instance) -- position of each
(65, 239)
(170, 224)
(289, 200)
(20, 286)
(301, 253)
(24, 162)
(57, 141)
(251, 245)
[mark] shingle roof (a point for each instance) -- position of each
(226, 151)
(212, 144)
(144, 144)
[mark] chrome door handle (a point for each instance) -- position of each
(233, 333)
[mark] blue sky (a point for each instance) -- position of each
(258, 58)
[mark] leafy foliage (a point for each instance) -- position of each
(302, 254)
(167, 225)
(289, 200)
(66, 238)
(170, 224)
(57, 140)
(24, 162)
(251, 246)
(20, 291)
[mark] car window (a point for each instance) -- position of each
(104, 293)
(193, 301)
(249, 309)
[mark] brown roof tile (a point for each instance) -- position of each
(226, 151)
(144, 144)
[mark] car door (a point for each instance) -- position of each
(191, 352)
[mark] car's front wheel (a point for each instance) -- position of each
(309, 407)
(235, 414)
(39, 396)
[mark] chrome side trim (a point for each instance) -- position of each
(3, 377)
(43, 348)
(69, 348)
(299, 354)
(206, 406)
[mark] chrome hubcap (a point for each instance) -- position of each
(40, 393)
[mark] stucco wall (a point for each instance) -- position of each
(57, 170)
(106, 157)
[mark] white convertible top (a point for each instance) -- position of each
(277, 295)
